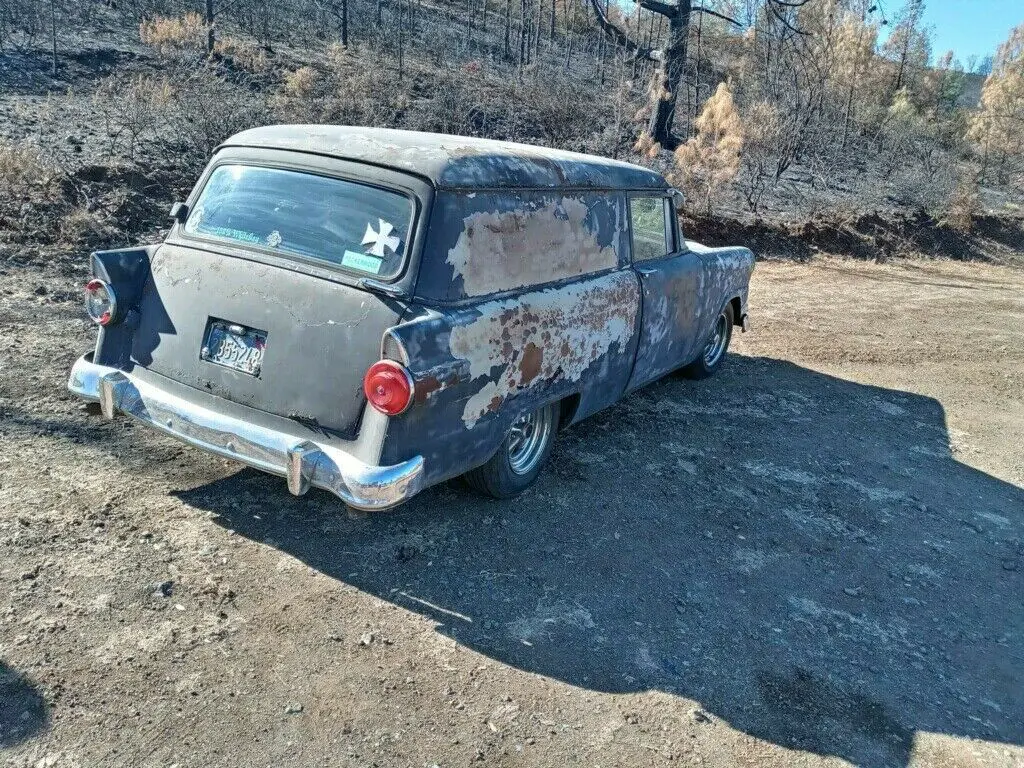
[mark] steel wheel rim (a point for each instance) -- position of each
(716, 346)
(527, 438)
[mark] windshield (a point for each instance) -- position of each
(354, 226)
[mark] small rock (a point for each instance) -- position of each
(335, 637)
(29, 575)
(41, 290)
(699, 716)
(366, 638)
(687, 466)
(164, 589)
(293, 708)
(854, 591)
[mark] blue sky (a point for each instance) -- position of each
(967, 26)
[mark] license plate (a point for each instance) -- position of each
(234, 346)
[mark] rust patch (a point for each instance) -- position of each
(529, 366)
(426, 387)
(583, 321)
(438, 378)
(502, 251)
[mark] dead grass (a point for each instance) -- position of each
(243, 54)
(174, 34)
(24, 176)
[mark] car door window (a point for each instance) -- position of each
(650, 227)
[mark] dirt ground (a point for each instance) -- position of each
(814, 558)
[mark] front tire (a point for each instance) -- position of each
(713, 354)
(522, 455)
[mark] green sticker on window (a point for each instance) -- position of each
(361, 261)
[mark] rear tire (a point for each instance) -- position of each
(713, 354)
(520, 458)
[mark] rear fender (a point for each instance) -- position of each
(126, 271)
(477, 368)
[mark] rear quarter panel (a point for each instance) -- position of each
(727, 274)
(478, 367)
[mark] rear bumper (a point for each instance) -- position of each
(303, 463)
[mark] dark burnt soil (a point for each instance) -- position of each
(873, 236)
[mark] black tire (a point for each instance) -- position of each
(712, 354)
(499, 477)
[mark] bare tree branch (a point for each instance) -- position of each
(619, 36)
(773, 6)
(655, 6)
(702, 9)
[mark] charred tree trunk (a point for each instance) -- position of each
(53, 35)
(508, 29)
(671, 58)
(669, 77)
(209, 27)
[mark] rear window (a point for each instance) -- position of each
(355, 226)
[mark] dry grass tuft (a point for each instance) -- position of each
(245, 55)
(24, 177)
(174, 34)
(301, 83)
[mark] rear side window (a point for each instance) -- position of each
(650, 228)
(355, 226)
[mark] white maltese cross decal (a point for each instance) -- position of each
(382, 239)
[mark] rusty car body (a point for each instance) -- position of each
(372, 311)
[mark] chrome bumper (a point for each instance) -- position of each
(303, 463)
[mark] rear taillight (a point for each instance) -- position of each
(100, 302)
(388, 387)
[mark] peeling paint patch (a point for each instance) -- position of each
(544, 336)
(500, 251)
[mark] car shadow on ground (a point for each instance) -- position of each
(23, 712)
(803, 555)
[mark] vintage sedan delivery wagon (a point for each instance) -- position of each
(372, 312)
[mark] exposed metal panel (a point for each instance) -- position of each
(486, 243)
(477, 368)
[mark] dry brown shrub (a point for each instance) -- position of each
(998, 125)
(300, 83)
(337, 56)
(23, 174)
(710, 160)
(245, 55)
(342, 93)
(646, 145)
(371, 96)
(964, 204)
(173, 34)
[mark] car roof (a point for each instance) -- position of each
(455, 162)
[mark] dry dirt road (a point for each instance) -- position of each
(815, 558)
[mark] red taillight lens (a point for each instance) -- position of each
(100, 302)
(388, 386)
